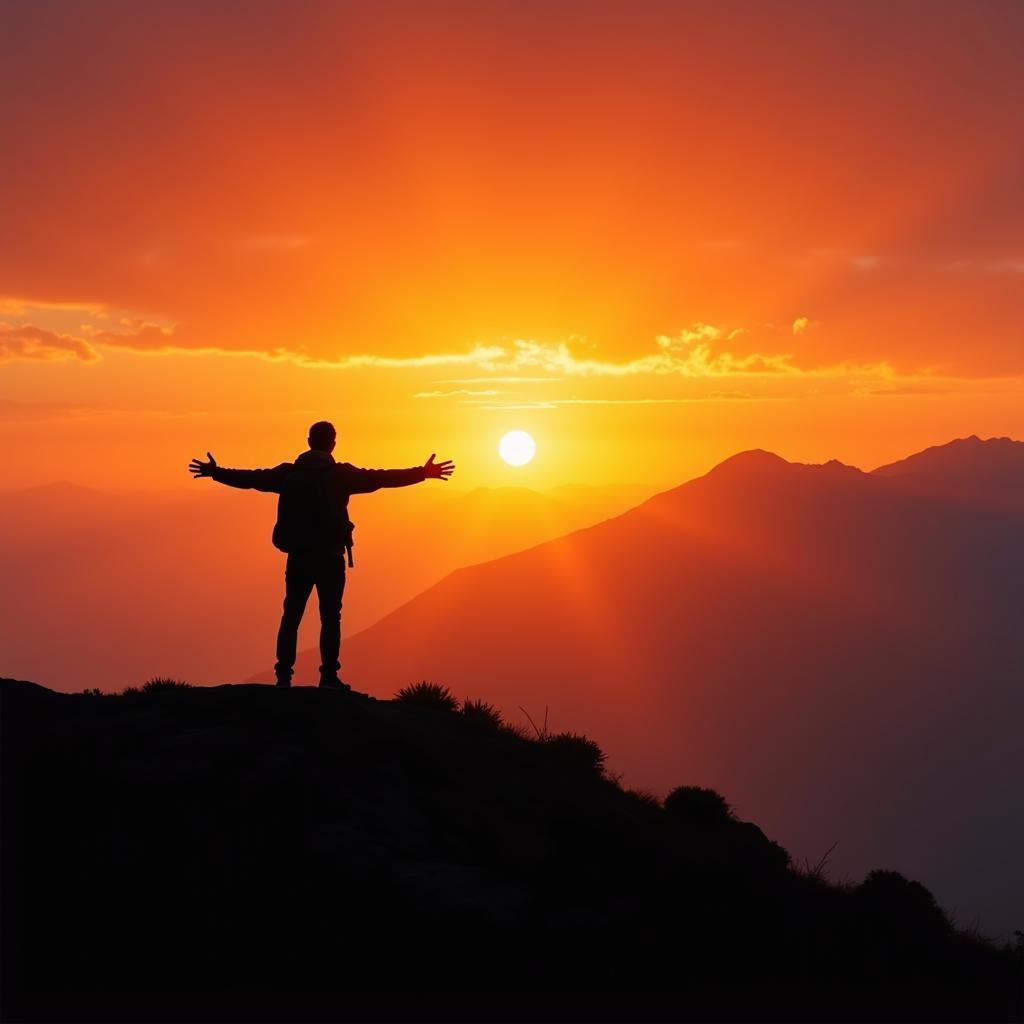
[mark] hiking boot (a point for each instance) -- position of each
(334, 683)
(281, 681)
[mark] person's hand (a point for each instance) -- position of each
(435, 470)
(198, 468)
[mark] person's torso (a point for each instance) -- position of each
(312, 509)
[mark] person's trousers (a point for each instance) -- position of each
(305, 570)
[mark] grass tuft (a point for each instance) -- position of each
(428, 695)
(575, 752)
(479, 712)
(162, 684)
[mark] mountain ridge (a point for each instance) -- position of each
(812, 617)
(970, 468)
(240, 851)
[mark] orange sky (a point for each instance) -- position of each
(650, 233)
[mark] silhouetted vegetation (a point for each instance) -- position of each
(428, 695)
(575, 752)
(162, 684)
(905, 904)
(695, 805)
(232, 852)
(818, 870)
(540, 731)
(645, 799)
(520, 731)
(480, 713)
(158, 684)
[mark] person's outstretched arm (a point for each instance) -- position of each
(251, 479)
(362, 481)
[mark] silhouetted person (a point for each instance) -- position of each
(314, 529)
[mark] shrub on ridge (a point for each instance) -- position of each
(576, 752)
(695, 805)
(428, 695)
(161, 684)
(479, 712)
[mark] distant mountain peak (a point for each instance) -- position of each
(972, 441)
(758, 462)
(755, 460)
(994, 464)
(835, 466)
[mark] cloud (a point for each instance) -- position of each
(692, 353)
(909, 390)
(518, 405)
(145, 337)
(14, 306)
(479, 355)
(492, 379)
(689, 353)
(459, 393)
(714, 396)
(54, 331)
(39, 345)
(697, 364)
(29, 341)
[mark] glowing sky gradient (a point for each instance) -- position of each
(651, 234)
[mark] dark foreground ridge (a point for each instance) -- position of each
(241, 852)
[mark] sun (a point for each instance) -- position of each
(517, 448)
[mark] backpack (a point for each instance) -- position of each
(313, 515)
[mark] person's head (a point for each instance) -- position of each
(322, 436)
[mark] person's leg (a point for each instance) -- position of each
(330, 586)
(298, 582)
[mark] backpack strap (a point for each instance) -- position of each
(349, 541)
